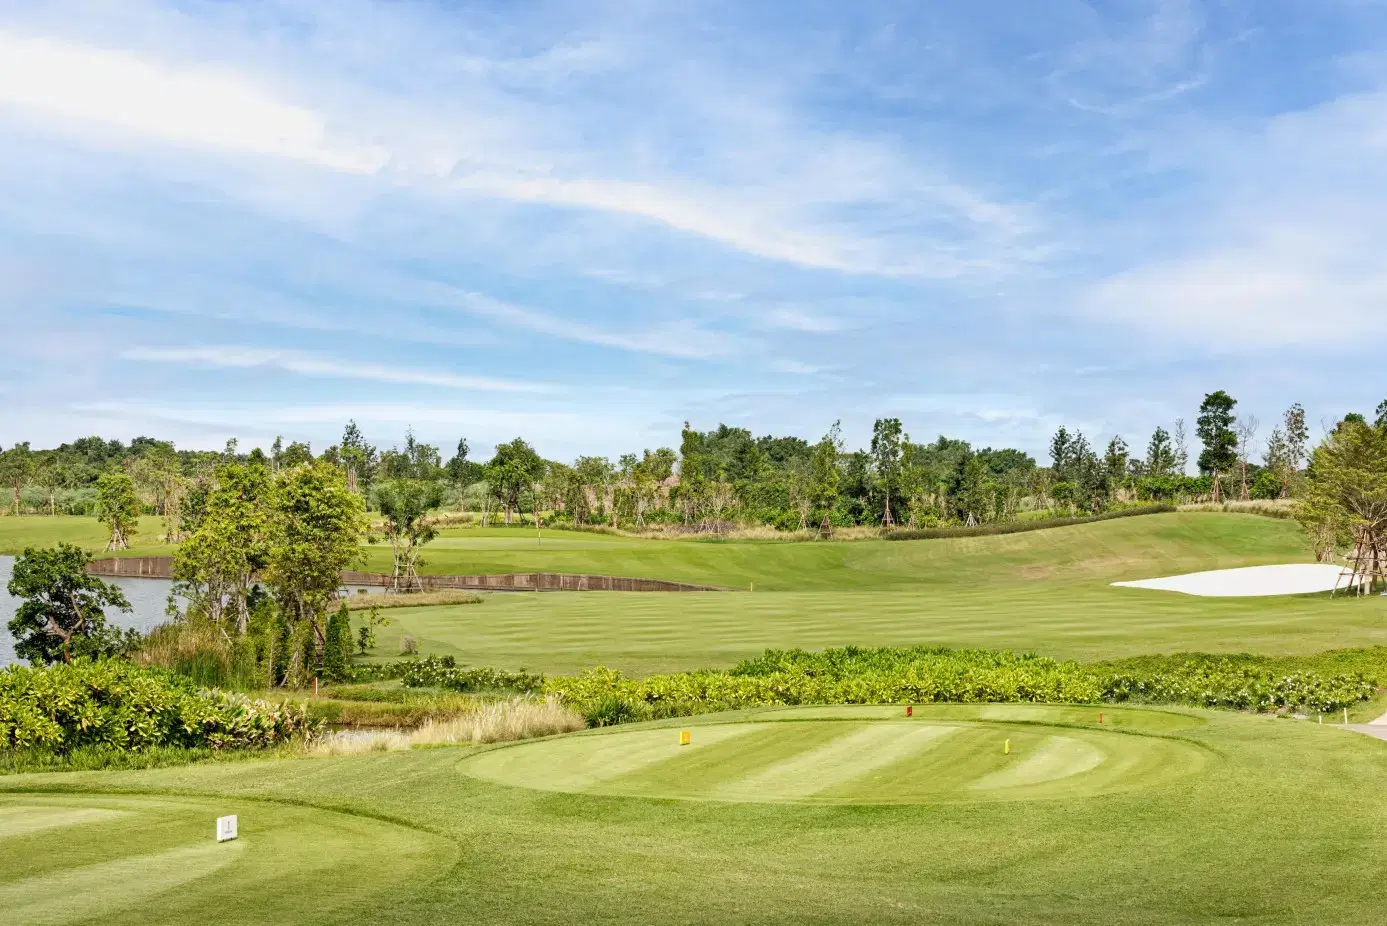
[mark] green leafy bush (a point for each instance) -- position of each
(918, 675)
(116, 704)
(444, 672)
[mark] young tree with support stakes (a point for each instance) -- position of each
(825, 477)
(887, 456)
(16, 466)
(1348, 496)
(405, 504)
(1215, 429)
(118, 507)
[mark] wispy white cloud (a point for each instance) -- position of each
(79, 84)
(681, 338)
(304, 364)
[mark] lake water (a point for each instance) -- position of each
(148, 597)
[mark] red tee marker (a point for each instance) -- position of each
(910, 710)
(1100, 716)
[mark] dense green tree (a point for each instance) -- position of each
(316, 526)
(1215, 429)
(1160, 454)
(1115, 461)
(337, 645)
(216, 565)
(512, 473)
(61, 614)
(358, 458)
(118, 507)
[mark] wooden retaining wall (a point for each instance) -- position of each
(161, 567)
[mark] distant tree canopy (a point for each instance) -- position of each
(713, 479)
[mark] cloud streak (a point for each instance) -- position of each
(303, 364)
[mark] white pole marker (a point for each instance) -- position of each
(226, 828)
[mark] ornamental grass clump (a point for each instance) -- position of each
(113, 704)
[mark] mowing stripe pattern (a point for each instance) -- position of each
(845, 762)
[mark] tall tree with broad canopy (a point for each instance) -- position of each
(118, 507)
(513, 472)
(316, 526)
(1215, 429)
(405, 504)
(215, 566)
(62, 608)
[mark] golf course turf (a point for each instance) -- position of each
(861, 755)
(804, 815)
(1282, 823)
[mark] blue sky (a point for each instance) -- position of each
(587, 222)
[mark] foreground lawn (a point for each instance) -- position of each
(1238, 818)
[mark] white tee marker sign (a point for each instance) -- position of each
(226, 828)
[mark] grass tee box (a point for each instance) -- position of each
(863, 755)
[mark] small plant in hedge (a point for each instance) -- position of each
(444, 672)
(366, 633)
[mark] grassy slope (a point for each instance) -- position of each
(1047, 591)
(1283, 827)
(87, 533)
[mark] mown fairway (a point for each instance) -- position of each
(1047, 591)
(1278, 821)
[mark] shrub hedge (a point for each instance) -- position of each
(444, 672)
(114, 704)
(917, 675)
(1018, 527)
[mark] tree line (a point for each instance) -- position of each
(715, 479)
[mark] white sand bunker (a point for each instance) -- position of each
(1251, 582)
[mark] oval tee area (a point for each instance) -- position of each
(864, 755)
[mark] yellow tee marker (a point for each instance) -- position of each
(685, 737)
(1006, 748)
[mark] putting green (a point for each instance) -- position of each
(852, 758)
(89, 858)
